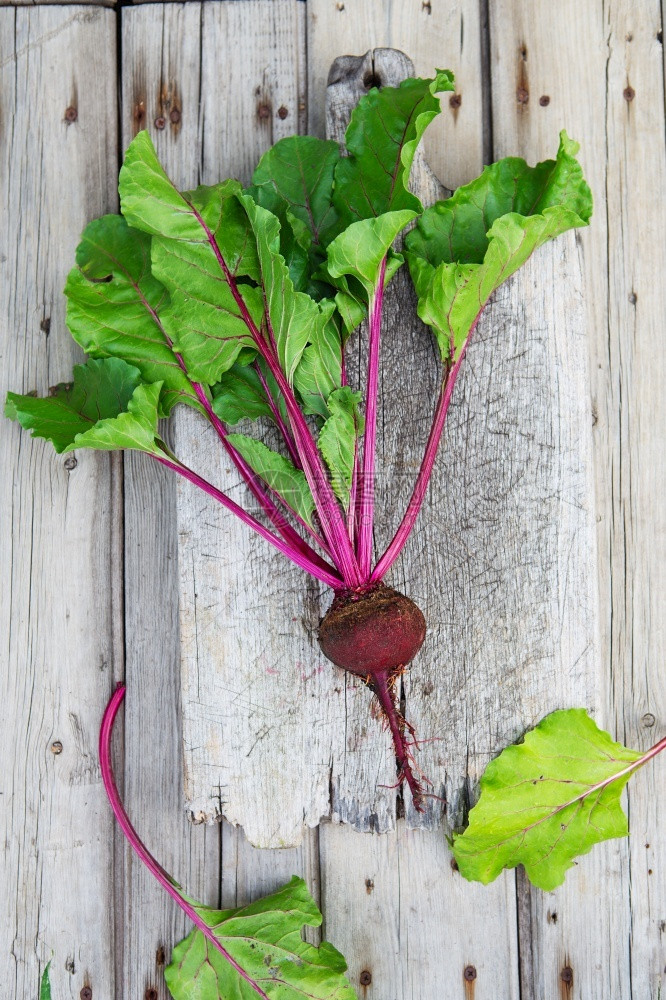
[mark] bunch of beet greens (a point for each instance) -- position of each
(239, 303)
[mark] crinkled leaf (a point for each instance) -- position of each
(106, 407)
(264, 940)
(114, 303)
(296, 176)
(293, 316)
(385, 128)
(547, 800)
(199, 239)
(361, 248)
(45, 984)
(320, 369)
(338, 440)
(278, 473)
(463, 248)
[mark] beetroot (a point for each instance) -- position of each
(375, 633)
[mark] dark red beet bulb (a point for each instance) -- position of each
(375, 634)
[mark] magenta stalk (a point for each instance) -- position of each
(137, 845)
(367, 484)
(277, 417)
(324, 573)
(329, 512)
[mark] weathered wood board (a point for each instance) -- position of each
(61, 543)
(501, 562)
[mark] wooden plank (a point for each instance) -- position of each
(397, 910)
(637, 306)
(622, 143)
(161, 76)
(72, 6)
(59, 545)
(433, 34)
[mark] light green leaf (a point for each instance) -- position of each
(45, 984)
(114, 304)
(463, 248)
(151, 202)
(547, 800)
(360, 249)
(200, 240)
(338, 440)
(264, 940)
(294, 317)
(320, 369)
(106, 407)
(278, 473)
(384, 131)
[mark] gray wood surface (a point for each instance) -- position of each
(392, 903)
(61, 543)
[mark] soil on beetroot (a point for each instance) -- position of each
(375, 633)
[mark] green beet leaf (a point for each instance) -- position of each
(278, 473)
(384, 131)
(240, 395)
(547, 800)
(338, 440)
(45, 984)
(294, 180)
(463, 248)
(293, 317)
(105, 407)
(361, 248)
(200, 239)
(264, 940)
(114, 303)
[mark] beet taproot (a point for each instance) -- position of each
(375, 633)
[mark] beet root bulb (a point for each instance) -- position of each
(375, 634)
(374, 631)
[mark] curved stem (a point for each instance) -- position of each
(420, 487)
(367, 483)
(326, 575)
(140, 849)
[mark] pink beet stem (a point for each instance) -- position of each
(277, 417)
(140, 849)
(367, 483)
(325, 574)
(327, 506)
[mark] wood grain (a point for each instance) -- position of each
(434, 34)
(59, 547)
(161, 79)
(601, 910)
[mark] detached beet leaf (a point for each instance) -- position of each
(264, 941)
(548, 800)
(246, 953)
